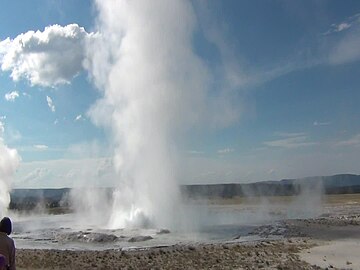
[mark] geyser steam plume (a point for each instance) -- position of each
(153, 90)
(9, 161)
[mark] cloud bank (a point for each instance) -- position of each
(74, 173)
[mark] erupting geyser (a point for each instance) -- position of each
(153, 87)
(9, 161)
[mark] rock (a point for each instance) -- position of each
(163, 231)
(88, 237)
(140, 238)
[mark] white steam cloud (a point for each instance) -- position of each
(154, 87)
(9, 161)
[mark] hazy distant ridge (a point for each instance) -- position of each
(336, 184)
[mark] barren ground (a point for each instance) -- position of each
(330, 241)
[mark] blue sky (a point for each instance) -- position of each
(289, 72)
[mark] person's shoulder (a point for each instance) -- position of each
(10, 242)
(8, 239)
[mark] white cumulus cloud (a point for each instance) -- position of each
(50, 103)
(2, 128)
(343, 26)
(225, 151)
(354, 141)
(293, 140)
(41, 146)
(195, 152)
(11, 96)
(346, 48)
(46, 58)
(316, 123)
(78, 117)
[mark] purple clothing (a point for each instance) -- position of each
(7, 249)
(2, 262)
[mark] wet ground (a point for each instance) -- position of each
(330, 240)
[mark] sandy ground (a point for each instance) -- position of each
(338, 243)
(342, 254)
(331, 241)
(265, 255)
